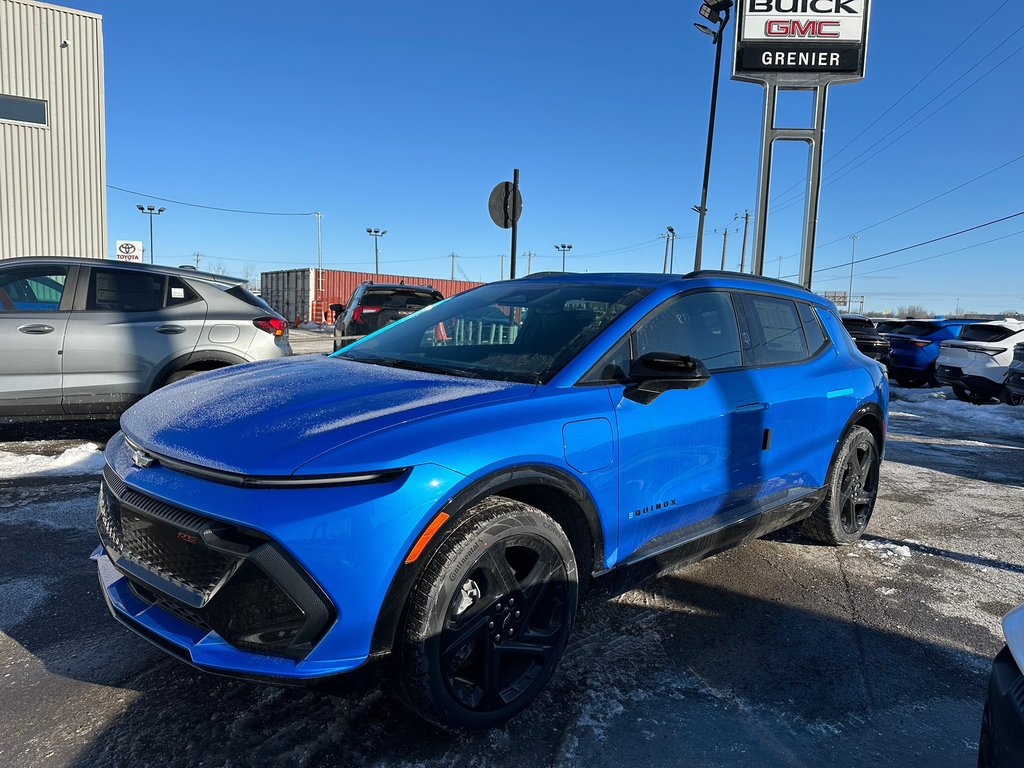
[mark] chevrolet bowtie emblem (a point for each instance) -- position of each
(141, 459)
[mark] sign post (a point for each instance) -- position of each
(129, 250)
(506, 206)
(798, 45)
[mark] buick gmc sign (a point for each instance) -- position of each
(812, 40)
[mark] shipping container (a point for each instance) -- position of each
(306, 294)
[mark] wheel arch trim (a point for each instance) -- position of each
(521, 476)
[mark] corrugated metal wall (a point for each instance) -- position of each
(53, 195)
(293, 292)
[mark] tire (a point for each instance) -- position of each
(851, 490)
(986, 756)
(1010, 398)
(488, 619)
(969, 395)
(179, 375)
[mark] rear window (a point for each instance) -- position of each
(239, 292)
(122, 290)
(782, 334)
(400, 299)
(858, 325)
(987, 333)
(918, 329)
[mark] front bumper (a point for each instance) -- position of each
(1002, 734)
(344, 543)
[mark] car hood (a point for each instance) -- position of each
(270, 418)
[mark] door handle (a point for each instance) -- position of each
(35, 329)
(170, 329)
(752, 408)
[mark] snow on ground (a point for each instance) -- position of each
(942, 403)
(82, 459)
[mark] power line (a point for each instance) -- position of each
(921, 244)
(936, 256)
(208, 207)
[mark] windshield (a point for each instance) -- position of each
(513, 331)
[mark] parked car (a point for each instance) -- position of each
(1015, 374)
(375, 305)
(1002, 725)
(866, 337)
(914, 348)
(438, 506)
(976, 364)
(84, 338)
(888, 325)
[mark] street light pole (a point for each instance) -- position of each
(712, 14)
(376, 234)
(151, 211)
(564, 248)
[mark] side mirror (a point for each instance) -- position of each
(658, 372)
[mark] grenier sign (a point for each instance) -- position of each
(796, 41)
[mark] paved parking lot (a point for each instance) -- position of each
(782, 652)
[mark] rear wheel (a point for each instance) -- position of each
(969, 395)
(489, 618)
(851, 490)
(179, 375)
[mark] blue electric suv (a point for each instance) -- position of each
(430, 503)
(914, 348)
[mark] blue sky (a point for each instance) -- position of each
(404, 115)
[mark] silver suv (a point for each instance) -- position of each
(84, 338)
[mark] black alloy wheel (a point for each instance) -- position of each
(489, 618)
(506, 624)
(859, 487)
(850, 491)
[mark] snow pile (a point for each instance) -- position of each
(942, 405)
(886, 549)
(85, 459)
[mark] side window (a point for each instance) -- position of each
(179, 292)
(701, 325)
(122, 290)
(781, 331)
(812, 328)
(32, 289)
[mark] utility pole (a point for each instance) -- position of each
(452, 254)
(197, 255)
(725, 246)
(319, 264)
(746, 229)
(853, 255)
(501, 273)
(780, 266)
(670, 242)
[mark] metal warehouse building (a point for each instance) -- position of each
(53, 197)
(304, 294)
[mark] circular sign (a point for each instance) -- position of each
(126, 249)
(499, 205)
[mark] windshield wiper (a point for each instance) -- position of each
(411, 365)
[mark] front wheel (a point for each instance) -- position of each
(489, 618)
(1011, 398)
(851, 490)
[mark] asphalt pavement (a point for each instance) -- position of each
(781, 652)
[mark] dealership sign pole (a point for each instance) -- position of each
(798, 45)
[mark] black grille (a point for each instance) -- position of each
(1017, 693)
(210, 574)
(160, 539)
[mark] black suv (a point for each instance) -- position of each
(374, 305)
(867, 337)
